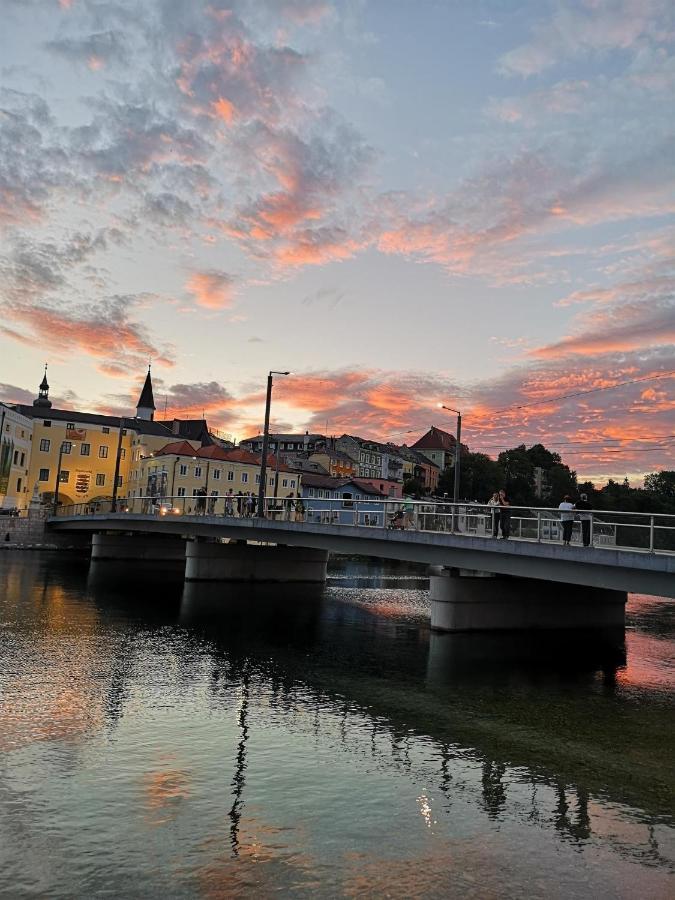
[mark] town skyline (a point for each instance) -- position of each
(470, 206)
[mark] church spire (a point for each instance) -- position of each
(43, 393)
(145, 408)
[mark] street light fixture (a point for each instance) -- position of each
(58, 478)
(457, 448)
(266, 441)
(118, 457)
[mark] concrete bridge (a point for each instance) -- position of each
(476, 581)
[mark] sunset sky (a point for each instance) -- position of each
(403, 202)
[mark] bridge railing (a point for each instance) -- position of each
(651, 532)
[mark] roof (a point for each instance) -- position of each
(435, 439)
(190, 429)
(176, 448)
(415, 456)
(146, 400)
(142, 426)
(327, 481)
(277, 436)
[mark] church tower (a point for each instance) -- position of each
(145, 408)
(43, 393)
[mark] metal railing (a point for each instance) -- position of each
(650, 532)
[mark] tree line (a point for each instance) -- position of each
(535, 476)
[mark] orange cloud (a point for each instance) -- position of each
(213, 290)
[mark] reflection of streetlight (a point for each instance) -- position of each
(266, 441)
(457, 448)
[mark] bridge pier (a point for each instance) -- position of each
(238, 561)
(465, 600)
(140, 547)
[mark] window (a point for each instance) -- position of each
(195, 491)
(182, 470)
(311, 492)
(103, 452)
(16, 457)
(244, 477)
(180, 492)
(105, 429)
(66, 447)
(292, 482)
(230, 475)
(70, 426)
(124, 431)
(347, 501)
(45, 443)
(85, 449)
(64, 476)
(18, 485)
(44, 475)
(100, 480)
(284, 482)
(257, 478)
(198, 471)
(46, 423)
(119, 481)
(123, 453)
(216, 474)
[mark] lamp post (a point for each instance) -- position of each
(457, 449)
(58, 478)
(266, 441)
(116, 476)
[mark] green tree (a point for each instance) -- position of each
(662, 486)
(518, 475)
(414, 486)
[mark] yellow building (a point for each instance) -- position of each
(183, 477)
(85, 446)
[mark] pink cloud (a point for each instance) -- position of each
(213, 290)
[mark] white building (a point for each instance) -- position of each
(16, 433)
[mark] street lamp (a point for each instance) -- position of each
(116, 476)
(58, 477)
(265, 446)
(457, 448)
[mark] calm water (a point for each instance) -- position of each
(167, 741)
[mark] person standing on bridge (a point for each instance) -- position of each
(566, 508)
(493, 503)
(585, 516)
(504, 515)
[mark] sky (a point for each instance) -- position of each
(404, 203)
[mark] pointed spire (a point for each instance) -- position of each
(145, 408)
(43, 392)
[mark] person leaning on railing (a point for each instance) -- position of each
(585, 516)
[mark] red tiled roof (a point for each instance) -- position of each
(176, 448)
(435, 439)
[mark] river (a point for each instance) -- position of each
(180, 741)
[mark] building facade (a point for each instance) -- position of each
(16, 432)
(438, 446)
(342, 501)
(191, 479)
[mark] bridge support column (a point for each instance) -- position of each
(253, 563)
(464, 600)
(143, 547)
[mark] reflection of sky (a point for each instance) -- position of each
(464, 202)
(316, 739)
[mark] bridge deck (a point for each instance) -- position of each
(610, 567)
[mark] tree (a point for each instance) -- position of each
(480, 477)
(662, 486)
(414, 486)
(518, 475)
(561, 481)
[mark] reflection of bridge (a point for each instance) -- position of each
(477, 583)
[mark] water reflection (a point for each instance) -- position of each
(320, 741)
